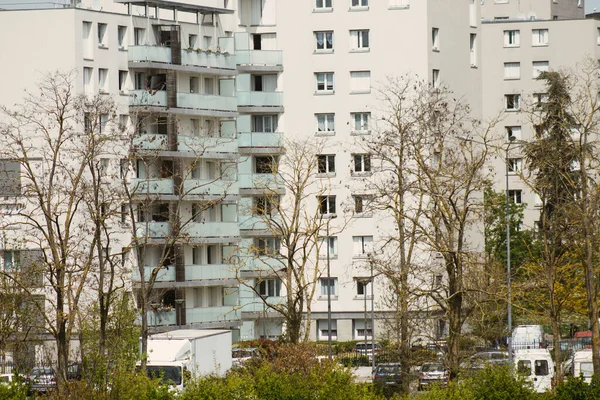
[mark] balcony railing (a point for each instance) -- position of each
(211, 314)
(260, 139)
(209, 272)
(148, 98)
(259, 57)
(206, 102)
(254, 304)
(259, 181)
(201, 144)
(260, 99)
(162, 54)
(152, 186)
(164, 274)
(153, 229)
(150, 141)
(162, 317)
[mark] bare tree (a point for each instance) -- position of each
(299, 223)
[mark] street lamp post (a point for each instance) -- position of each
(328, 239)
(371, 261)
(511, 139)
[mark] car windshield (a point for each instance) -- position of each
(168, 374)
(42, 371)
(433, 368)
(242, 353)
(387, 369)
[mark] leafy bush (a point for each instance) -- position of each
(17, 390)
(576, 389)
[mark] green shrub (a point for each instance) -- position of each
(576, 389)
(17, 390)
(499, 383)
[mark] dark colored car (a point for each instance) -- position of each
(42, 379)
(387, 374)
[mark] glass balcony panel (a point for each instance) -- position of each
(150, 142)
(151, 186)
(212, 229)
(259, 181)
(259, 57)
(207, 59)
(210, 314)
(260, 139)
(148, 98)
(260, 99)
(254, 304)
(202, 144)
(206, 102)
(149, 53)
(153, 229)
(162, 317)
(211, 271)
(209, 187)
(164, 274)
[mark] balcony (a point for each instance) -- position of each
(259, 60)
(214, 61)
(210, 314)
(210, 187)
(151, 186)
(212, 230)
(150, 142)
(209, 272)
(260, 142)
(187, 103)
(254, 267)
(254, 223)
(260, 99)
(164, 274)
(254, 304)
(198, 145)
(153, 229)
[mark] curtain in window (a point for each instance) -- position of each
(269, 83)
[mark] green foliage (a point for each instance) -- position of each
(576, 389)
(17, 390)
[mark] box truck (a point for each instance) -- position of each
(180, 355)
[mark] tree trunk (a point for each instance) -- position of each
(454, 313)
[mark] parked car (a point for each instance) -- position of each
(42, 379)
(433, 373)
(366, 348)
(387, 375)
(6, 379)
(240, 356)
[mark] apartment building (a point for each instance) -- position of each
(212, 88)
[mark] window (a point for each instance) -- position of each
(512, 70)
(264, 123)
(139, 36)
(325, 122)
(435, 39)
(194, 84)
(326, 163)
(267, 246)
(539, 37)
(265, 205)
(87, 80)
(513, 131)
(326, 204)
(359, 328)
(192, 41)
(360, 121)
(540, 98)
(363, 245)
(123, 80)
(87, 40)
(102, 42)
(324, 41)
(324, 81)
(360, 81)
(332, 247)
(435, 78)
(361, 203)
(512, 102)
(359, 40)
(122, 36)
(473, 49)
(102, 123)
(359, 3)
(269, 288)
(328, 283)
(362, 162)
(11, 259)
(362, 286)
(539, 67)
(102, 80)
(541, 367)
(320, 4)
(515, 164)
(266, 165)
(515, 196)
(323, 329)
(512, 38)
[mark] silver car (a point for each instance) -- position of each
(433, 373)
(42, 379)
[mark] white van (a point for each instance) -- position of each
(527, 337)
(582, 364)
(537, 366)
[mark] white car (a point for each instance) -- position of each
(6, 379)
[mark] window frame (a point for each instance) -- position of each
(323, 5)
(366, 245)
(357, 40)
(512, 66)
(331, 282)
(325, 80)
(326, 164)
(327, 120)
(516, 102)
(327, 203)
(512, 38)
(361, 164)
(536, 34)
(364, 119)
(325, 48)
